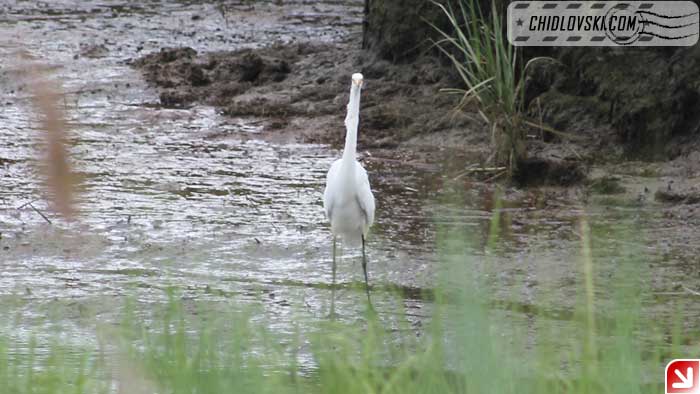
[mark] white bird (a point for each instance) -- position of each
(348, 199)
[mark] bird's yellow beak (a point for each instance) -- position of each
(357, 79)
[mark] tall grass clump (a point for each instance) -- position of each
(475, 341)
(492, 75)
(56, 369)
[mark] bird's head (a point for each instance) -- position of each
(357, 79)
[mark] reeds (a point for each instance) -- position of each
(473, 344)
(491, 72)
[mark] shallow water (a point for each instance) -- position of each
(195, 200)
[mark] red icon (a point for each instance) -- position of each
(683, 376)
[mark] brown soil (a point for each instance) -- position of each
(299, 91)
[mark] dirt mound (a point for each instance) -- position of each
(299, 93)
(643, 99)
(284, 84)
(185, 77)
(537, 171)
(685, 196)
(397, 30)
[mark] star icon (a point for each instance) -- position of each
(519, 22)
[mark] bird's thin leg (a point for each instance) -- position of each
(364, 268)
(333, 284)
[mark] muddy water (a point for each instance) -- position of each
(183, 198)
(191, 199)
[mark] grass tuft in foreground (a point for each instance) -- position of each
(478, 340)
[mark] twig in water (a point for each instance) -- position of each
(40, 213)
(571, 148)
(463, 173)
(486, 169)
(27, 204)
(222, 9)
(691, 291)
(495, 176)
(471, 170)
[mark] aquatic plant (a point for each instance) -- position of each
(475, 342)
(492, 75)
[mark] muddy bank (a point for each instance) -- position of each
(616, 103)
(300, 91)
(621, 103)
(630, 102)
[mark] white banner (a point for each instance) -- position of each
(603, 23)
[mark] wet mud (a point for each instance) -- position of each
(291, 85)
(629, 103)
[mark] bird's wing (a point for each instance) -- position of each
(329, 191)
(364, 195)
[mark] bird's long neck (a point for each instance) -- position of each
(352, 120)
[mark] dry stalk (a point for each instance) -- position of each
(46, 98)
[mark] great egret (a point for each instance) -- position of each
(348, 200)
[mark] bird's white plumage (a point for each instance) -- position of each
(348, 202)
(348, 199)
